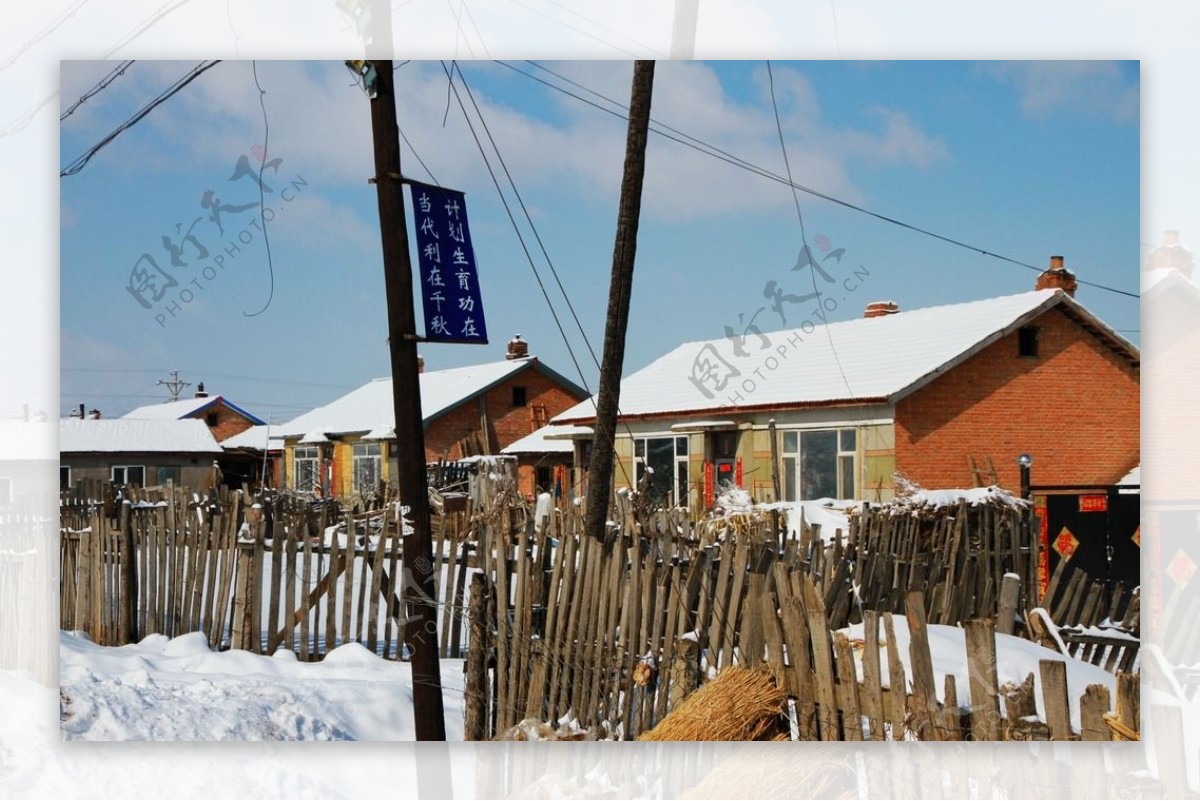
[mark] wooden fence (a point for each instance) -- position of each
(280, 571)
(614, 632)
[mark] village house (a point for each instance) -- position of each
(139, 453)
(219, 413)
(948, 396)
(253, 456)
(347, 445)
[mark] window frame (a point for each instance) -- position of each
(845, 452)
(371, 454)
(112, 474)
(679, 494)
(313, 460)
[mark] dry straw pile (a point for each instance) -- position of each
(739, 704)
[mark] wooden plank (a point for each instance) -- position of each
(385, 544)
(982, 680)
(476, 692)
(897, 681)
(847, 689)
(924, 687)
(301, 616)
(1010, 595)
(732, 619)
(1093, 706)
(276, 589)
(343, 634)
(827, 717)
(872, 689)
(1054, 698)
(720, 605)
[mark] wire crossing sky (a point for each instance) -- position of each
(164, 238)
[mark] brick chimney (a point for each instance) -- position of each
(1057, 277)
(200, 393)
(517, 348)
(420, 363)
(881, 308)
(1171, 256)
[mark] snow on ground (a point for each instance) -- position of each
(831, 515)
(178, 689)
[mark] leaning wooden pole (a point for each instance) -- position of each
(421, 631)
(600, 468)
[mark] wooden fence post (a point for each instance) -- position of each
(477, 702)
(981, 674)
(1010, 597)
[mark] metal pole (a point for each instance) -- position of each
(421, 629)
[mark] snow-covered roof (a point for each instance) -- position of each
(369, 408)
(870, 360)
(120, 435)
(185, 407)
(537, 442)
(256, 438)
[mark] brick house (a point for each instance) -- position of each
(220, 414)
(936, 394)
(348, 444)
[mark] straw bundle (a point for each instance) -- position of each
(739, 704)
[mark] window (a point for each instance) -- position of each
(166, 474)
(211, 419)
(306, 468)
(64, 477)
(666, 459)
(819, 464)
(519, 396)
(1027, 340)
(543, 478)
(132, 474)
(367, 472)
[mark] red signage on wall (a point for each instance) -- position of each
(708, 485)
(738, 476)
(1043, 562)
(1097, 502)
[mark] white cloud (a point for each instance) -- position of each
(1095, 88)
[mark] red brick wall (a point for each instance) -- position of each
(1074, 408)
(507, 423)
(229, 422)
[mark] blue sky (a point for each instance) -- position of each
(1024, 159)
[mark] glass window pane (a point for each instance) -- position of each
(847, 488)
(847, 437)
(818, 462)
(137, 475)
(789, 480)
(789, 441)
(639, 448)
(681, 446)
(660, 457)
(681, 483)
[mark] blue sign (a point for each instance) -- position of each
(446, 262)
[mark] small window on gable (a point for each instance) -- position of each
(519, 396)
(1027, 340)
(211, 419)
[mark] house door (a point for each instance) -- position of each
(1096, 528)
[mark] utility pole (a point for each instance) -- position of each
(174, 385)
(421, 629)
(600, 469)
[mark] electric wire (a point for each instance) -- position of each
(79, 163)
(262, 163)
(674, 134)
(104, 83)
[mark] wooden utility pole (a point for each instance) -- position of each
(600, 469)
(421, 630)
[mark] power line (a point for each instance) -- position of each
(79, 163)
(708, 149)
(117, 72)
